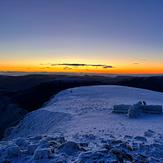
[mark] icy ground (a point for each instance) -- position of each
(82, 119)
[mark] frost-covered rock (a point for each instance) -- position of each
(36, 138)
(21, 142)
(128, 137)
(31, 149)
(60, 140)
(121, 155)
(140, 138)
(128, 149)
(125, 146)
(48, 142)
(13, 151)
(149, 133)
(70, 148)
(44, 153)
(96, 156)
(115, 141)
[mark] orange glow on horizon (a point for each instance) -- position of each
(120, 66)
(114, 70)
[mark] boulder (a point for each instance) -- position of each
(140, 138)
(69, 148)
(149, 133)
(31, 149)
(121, 155)
(13, 151)
(21, 142)
(44, 153)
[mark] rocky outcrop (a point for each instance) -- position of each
(45, 148)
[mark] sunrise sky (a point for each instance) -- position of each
(96, 36)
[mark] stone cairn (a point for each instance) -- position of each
(134, 111)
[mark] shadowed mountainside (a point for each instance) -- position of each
(32, 91)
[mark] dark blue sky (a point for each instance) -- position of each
(81, 30)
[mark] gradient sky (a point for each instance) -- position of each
(123, 36)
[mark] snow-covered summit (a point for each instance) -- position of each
(88, 110)
(78, 125)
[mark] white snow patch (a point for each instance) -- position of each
(88, 110)
(84, 116)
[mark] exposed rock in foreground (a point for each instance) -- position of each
(84, 149)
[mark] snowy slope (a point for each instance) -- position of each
(84, 115)
(88, 109)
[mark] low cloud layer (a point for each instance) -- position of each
(82, 65)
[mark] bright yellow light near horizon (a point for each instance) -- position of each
(123, 70)
(119, 66)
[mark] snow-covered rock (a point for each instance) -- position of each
(108, 149)
(13, 151)
(21, 142)
(44, 153)
(31, 149)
